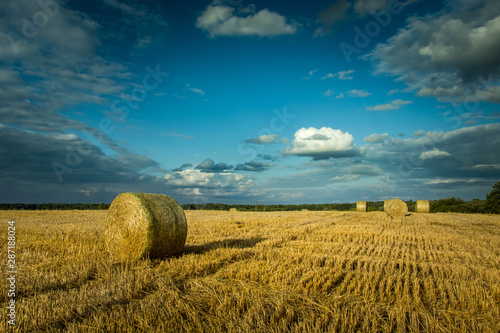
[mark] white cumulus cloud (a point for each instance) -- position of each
(435, 153)
(195, 183)
(376, 138)
(264, 139)
(222, 21)
(321, 143)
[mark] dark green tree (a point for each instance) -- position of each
(103, 206)
(493, 200)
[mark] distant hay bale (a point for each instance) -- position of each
(385, 205)
(233, 209)
(305, 210)
(143, 225)
(422, 206)
(361, 206)
(396, 208)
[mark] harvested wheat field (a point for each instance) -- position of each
(263, 272)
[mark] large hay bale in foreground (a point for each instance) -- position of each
(361, 206)
(143, 225)
(396, 208)
(422, 206)
(233, 209)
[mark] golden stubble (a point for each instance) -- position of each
(262, 272)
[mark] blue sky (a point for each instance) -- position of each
(235, 101)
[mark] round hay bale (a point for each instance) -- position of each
(422, 206)
(233, 209)
(361, 206)
(305, 210)
(396, 208)
(143, 225)
(385, 205)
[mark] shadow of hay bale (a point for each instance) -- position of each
(234, 243)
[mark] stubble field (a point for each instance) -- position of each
(261, 272)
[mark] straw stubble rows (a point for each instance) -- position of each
(263, 272)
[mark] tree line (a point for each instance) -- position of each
(451, 205)
(54, 206)
(454, 205)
